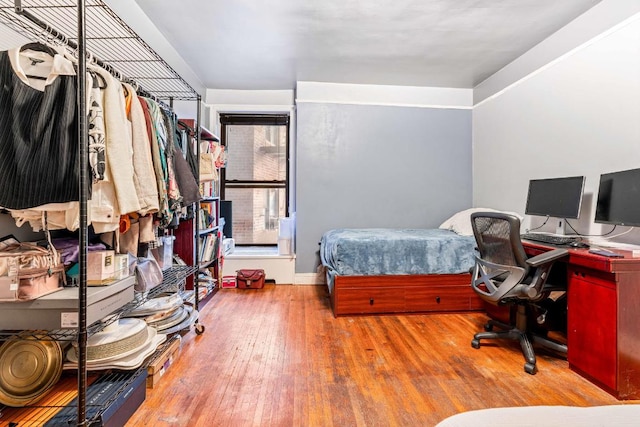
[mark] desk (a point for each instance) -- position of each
(603, 321)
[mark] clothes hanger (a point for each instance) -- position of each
(43, 45)
(39, 47)
(98, 80)
(134, 85)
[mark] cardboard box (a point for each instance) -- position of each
(121, 266)
(59, 310)
(159, 363)
(100, 267)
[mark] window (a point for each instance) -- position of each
(272, 136)
(256, 178)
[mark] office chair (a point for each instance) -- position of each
(504, 275)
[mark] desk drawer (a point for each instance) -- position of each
(600, 278)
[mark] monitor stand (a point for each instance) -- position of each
(561, 227)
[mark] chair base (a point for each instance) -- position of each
(519, 333)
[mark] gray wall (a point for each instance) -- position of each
(577, 116)
(377, 166)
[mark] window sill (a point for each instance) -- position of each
(258, 252)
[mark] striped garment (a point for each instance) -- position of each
(38, 140)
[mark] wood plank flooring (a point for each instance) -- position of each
(278, 357)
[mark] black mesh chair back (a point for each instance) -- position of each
(498, 238)
(501, 268)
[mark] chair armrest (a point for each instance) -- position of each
(547, 257)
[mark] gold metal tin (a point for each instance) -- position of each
(29, 367)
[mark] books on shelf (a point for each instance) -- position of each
(208, 188)
(207, 215)
(209, 247)
(205, 220)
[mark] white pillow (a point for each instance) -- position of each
(460, 222)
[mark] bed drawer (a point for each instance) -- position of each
(442, 298)
(373, 300)
(403, 294)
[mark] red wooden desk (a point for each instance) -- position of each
(603, 321)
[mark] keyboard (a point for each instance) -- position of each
(552, 239)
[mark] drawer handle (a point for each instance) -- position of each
(438, 300)
(370, 301)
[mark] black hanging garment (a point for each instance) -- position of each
(38, 141)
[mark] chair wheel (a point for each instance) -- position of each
(475, 343)
(488, 327)
(530, 368)
(199, 328)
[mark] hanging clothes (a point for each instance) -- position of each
(173, 189)
(118, 142)
(187, 143)
(144, 177)
(135, 162)
(189, 188)
(103, 212)
(163, 204)
(103, 207)
(59, 216)
(185, 178)
(96, 133)
(158, 134)
(38, 129)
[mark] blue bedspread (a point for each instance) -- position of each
(381, 251)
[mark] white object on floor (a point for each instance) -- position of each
(548, 416)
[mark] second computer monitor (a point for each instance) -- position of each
(619, 198)
(555, 197)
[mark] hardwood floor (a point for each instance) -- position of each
(278, 357)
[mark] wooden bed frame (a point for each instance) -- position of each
(403, 294)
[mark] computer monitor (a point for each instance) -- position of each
(555, 197)
(619, 198)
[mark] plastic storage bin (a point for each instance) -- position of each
(164, 253)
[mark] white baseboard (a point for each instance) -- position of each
(309, 279)
(279, 268)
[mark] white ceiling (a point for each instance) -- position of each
(253, 44)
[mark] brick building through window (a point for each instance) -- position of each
(256, 178)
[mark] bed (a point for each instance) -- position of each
(387, 270)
